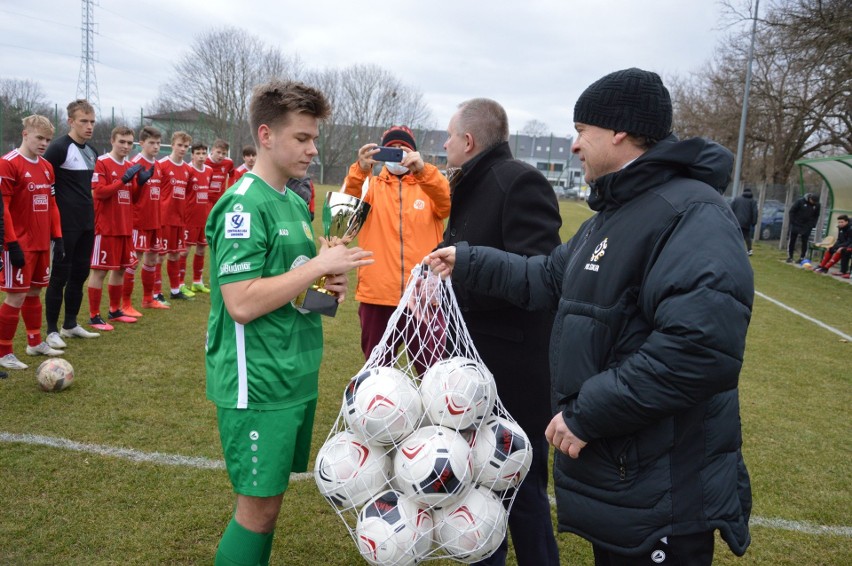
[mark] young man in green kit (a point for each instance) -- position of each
(263, 354)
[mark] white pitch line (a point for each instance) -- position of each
(806, 317)
(208, 464)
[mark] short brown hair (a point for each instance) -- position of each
(79, 105)
(272, 102)
(221, 144)
(182, 136)
(485, 120)
(198, 145)
(149, 132)
(249, 150)
(120, 131)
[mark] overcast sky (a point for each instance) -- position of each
(533, 56)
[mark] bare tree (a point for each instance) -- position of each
(801, 82)
(365, 99)
(535, 128)
(217, 75)
(19, 98)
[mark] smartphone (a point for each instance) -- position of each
(389, 154)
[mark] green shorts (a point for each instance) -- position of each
(261, 448)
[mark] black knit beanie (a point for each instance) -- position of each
(632, 101)
(399, 134)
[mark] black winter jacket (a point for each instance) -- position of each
(745, 209)
(804, 215)
(653, 298)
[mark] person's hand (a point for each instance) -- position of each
(144, 175)
(413, 161)
(337, 260)
(442, 261)
(365, 156)
(16, 254)
(58, 249)
(560, 437)
(337, 284)
(130, 173)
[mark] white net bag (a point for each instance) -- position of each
(423, 461)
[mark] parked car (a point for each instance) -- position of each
(771, 220)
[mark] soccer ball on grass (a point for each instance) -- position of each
(55, 374)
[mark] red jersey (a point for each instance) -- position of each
(146, 204)
(222, 173)
(238, 172)
(175, 177)
(113, 199)
(30, 212)
(197, 201)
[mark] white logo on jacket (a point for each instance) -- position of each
(599, 252)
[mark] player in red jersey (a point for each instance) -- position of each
(172, 207)
(249, 158)
(114, 183)
(223, 169)
(31, 221)
(146, 225)
(195, 218)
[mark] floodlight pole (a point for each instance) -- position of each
(741, 141)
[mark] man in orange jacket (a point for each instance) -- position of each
(409, 201)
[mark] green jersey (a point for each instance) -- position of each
(273, 361)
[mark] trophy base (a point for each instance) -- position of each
(319, 302)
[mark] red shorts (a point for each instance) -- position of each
(34, 273)
(112, 252)
(171, 240)
(146, 241)
(194, 236)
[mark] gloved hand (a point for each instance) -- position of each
(130, 173)
(16, 254)
(58, 249)
(144, 175)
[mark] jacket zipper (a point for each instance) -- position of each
(401, 246)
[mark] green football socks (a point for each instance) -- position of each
(242, 547)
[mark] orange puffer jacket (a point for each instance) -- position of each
(406, 222)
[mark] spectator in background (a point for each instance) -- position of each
(803, 218)
(73, 160)
(840, 251)
(409, 201)
(745, 209)
(504, 203)
(249, 157)
(304, 187)
(223, 169)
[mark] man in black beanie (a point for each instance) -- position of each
(653, 298)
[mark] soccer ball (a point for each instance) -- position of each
(458, 393)
(382, 405)
(348, 471)
(472, 528)
(432, 466)
(501, 454)
(393, 530)
(55, 374)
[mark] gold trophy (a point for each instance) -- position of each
(343, 216)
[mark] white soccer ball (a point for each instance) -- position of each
(472, 528)
(501, 454)
(348, 471)
(458, 393)
(432, 465)
(382, 405)
(54, 374)
(393, 530)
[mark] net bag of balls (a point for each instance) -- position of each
(423, 460)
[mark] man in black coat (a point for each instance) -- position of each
(745, 209)
(504, 203)
(653, 297)
(803, 218)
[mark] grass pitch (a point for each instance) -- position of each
(141, 388)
